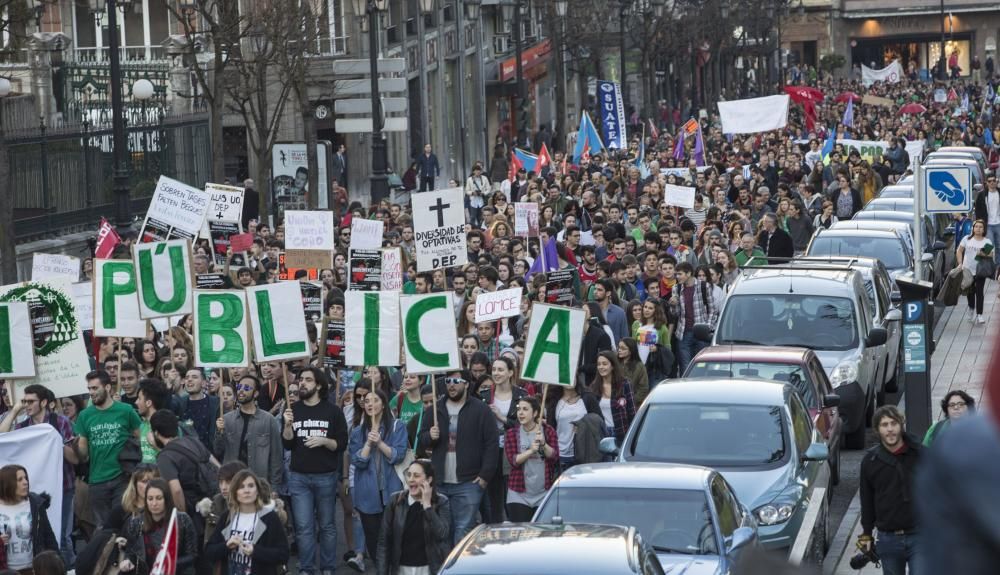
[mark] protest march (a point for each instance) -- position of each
(363, 386)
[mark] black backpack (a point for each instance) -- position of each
(206, 472)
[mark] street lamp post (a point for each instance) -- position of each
(622, 14)
(512, 11)
(426, 8)
(473, 10)
(123, 206)
(8, 239)
(380, 161)
(142, 90)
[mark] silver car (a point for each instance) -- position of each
(689, 515)
(758, 435)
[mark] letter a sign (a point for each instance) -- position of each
(221, 329)
(164, 278)
(429, 333)
(553, 349)
(17, 356)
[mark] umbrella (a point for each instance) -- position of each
(913, 108)
(848, 96)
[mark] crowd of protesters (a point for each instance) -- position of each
(254, 459)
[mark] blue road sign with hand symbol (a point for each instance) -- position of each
(947, 189)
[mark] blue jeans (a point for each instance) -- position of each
(464, 499)
(66, 537)
(687, 348)
(993, 232)
(314, 500)
(897, 552)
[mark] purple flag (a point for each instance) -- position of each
(551, 258)
(699, 148)
(679, 148)
(848, 119)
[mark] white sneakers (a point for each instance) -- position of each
(980, 319)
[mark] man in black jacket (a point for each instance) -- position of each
(464, 450)
(775, 241)
(887, 492)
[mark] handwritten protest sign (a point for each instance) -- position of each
(526, 219)
(499, 304)
(176, 211)
(392, 269)
(680, 196)
(366, 234)
(309, 239)
(47, 266)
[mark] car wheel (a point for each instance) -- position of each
(820, 544)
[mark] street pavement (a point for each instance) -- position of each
(959, 362)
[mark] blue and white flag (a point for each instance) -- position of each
(588, 141)
(609, 98)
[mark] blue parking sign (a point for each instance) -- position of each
(947, 189)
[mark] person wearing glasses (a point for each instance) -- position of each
(463, 440)
(955, 405)
(250, 434)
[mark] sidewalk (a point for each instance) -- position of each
(959, 362)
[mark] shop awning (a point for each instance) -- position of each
(530, 58)
(914, 11)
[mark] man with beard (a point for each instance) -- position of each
(315, 432)
(250, 434)
(153, 395)
(463, 450)
(887, 492)
(199, 407)
(128, 383)
(102, 430)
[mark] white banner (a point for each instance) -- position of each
(526, 219)
(278, 321)
(439, 229)
(116, 300)
(164, 278)
(366, 234)
(680, 196)
(496, 305)
(38, 448)
(83, 299)
(225, 203)
(17, 358)
(754, 114)
(60, 355)
(221, 331)
(310, 230)
(429, 333)
(890, 74)
(552, 353)
(176, 211)
(46, 266)
(371, 328)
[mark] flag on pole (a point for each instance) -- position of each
(830, 141)
(549, 256)
(691, 126)
(587, 138)
(679, 148)
(528, 160)
(653, 131)
(699, 148)
(107, 240)
(848, 119)
(640, 160)
(515, 165)
(544, 158)
(166, 559)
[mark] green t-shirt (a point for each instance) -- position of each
(106, 431)
(410, 409)
(149, 451)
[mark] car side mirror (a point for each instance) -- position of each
(938, 246)
(703, 332)
(740, 538)
(926, 257)
(608, 446)
(893, 315)
(831, 400)
(976, 188)
(896, 297)
(876, 337)
(817, 452)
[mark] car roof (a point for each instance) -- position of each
(754, 353)
(543, 549)
(719, 391)
(858, 233)
(863, 263)
(775, 279)
(871, 224)
(888, 202)
(638, 475)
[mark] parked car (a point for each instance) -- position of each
(796, 366)
(758, 435)
(552, 549)
(896, 191)
(689, 515)
(826, 310)
(940, 158)
(888, 246)
(972, 151)
(942, 258)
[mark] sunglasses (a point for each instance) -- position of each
(244, 387)
(454, 381)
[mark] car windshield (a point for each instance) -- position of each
(670, 520)
(711, 435)
(889, 250)
(816, 322)
(777, 372)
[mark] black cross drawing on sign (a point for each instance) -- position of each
(439, 208)
(219, 215)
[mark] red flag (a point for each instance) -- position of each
(107, 240)
(691, 126)
(166, 559)
(544, 159)
(515, 165)
(801, 94)
(653, 131)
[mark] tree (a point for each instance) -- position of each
(831, 62)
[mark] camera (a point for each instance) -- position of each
(863, 558)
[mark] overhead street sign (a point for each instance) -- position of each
(364, 86)
(364, 125)
(364, 105)
(947, 189)
(364, 67)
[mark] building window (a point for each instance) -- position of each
(142, 29)
(333, 31)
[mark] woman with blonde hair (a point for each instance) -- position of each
(133, 501)
(249, 537)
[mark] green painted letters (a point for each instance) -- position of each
(412, 330)
(178, 277)
(371, 328)
(110, 290)
(268, 340)
(223, 325)
(6, 356)
(555, 320)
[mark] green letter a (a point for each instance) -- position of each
(555, 320)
